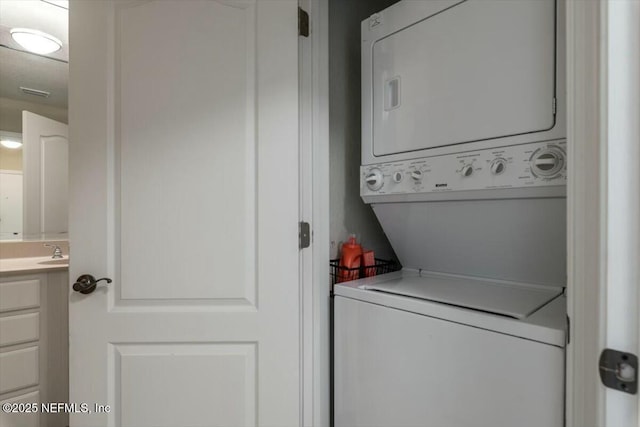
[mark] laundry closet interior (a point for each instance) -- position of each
(447, 126)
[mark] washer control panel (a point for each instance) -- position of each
(528, 165)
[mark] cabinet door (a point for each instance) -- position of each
(19, 293)
(19, 329)
(21, 418)
(19, 369)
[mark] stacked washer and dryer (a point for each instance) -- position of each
(463, 163)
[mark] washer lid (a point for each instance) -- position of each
(513, 300)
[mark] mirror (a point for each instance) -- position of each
(33, 85)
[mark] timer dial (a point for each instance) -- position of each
(547, 162)
(374, 179)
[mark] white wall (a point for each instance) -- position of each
(348, 213)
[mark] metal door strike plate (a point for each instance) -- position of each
(619, 370)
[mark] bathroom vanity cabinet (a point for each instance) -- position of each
(34, 347)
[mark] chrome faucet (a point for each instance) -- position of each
(57, 252)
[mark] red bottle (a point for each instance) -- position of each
(350, 259)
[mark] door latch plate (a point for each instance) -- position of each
(619, 370)
(303, 23)
(304, 235)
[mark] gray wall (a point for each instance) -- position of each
(348, 213)
(11, 113)
(523, 240)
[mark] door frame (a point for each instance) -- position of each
(314, 208)
(603, 76)
(587, 111)
(586, 217)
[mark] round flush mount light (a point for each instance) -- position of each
(36, 41)
(10, 143)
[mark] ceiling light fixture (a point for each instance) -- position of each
(10, 143)
(36, 41)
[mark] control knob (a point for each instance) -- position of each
(397, 177)
(548, 162)
(416, 175)
(467, 170)
(498, 166)
(374, 179)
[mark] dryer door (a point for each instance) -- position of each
(478, 70)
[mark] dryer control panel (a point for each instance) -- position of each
(533, 165)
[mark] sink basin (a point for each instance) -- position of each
(61, 261)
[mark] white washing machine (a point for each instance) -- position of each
(463, 163)
(409, 351)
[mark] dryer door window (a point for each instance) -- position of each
(476, 71)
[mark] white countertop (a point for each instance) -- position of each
(33, 265)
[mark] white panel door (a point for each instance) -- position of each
(184, 191)
(10, 204)
(46, 179)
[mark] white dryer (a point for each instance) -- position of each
(464, 165)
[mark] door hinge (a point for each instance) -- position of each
(304, 235)
(303, 23)
(619, 370)
(555, 106)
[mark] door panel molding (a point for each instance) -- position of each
(216, 215)
(226, 370)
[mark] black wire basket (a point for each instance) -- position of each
(341, 274)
